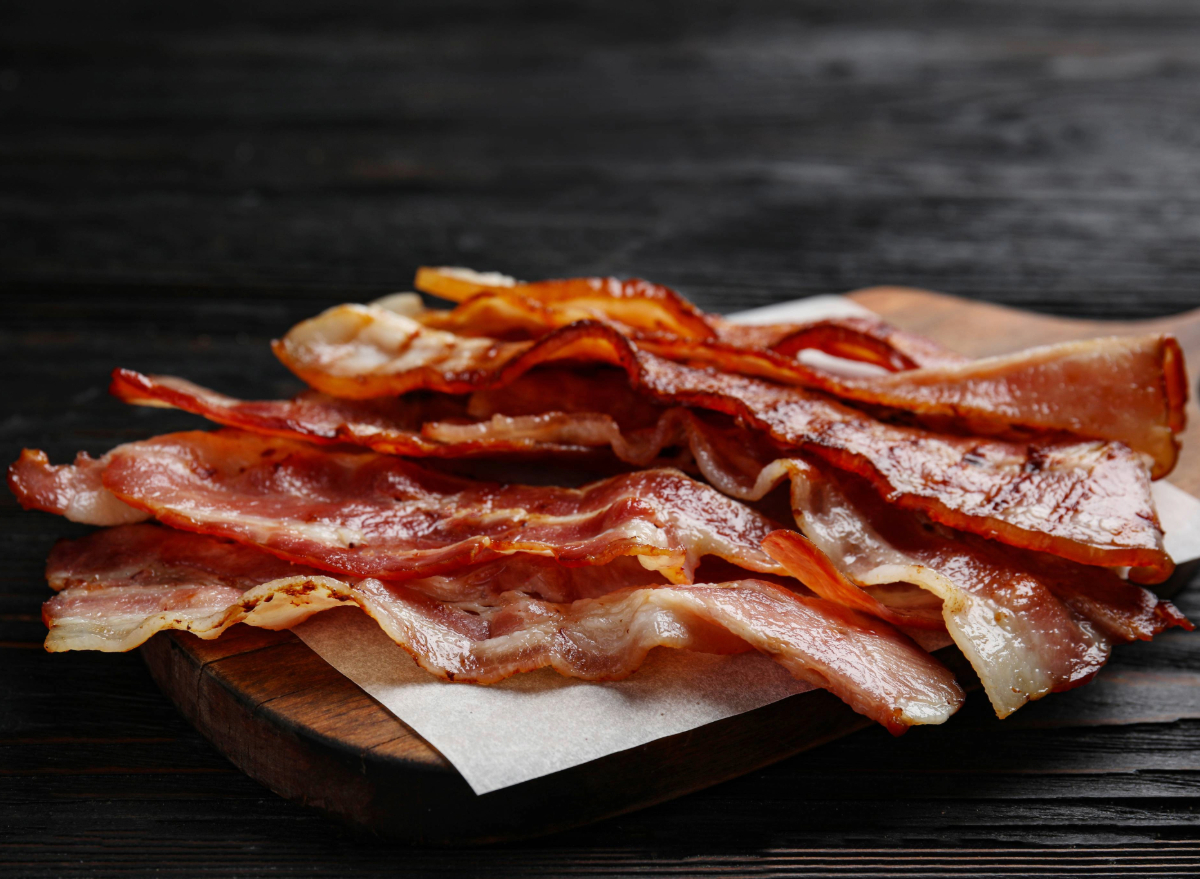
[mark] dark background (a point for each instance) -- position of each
(180, 182)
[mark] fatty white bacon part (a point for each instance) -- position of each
(109, 601)
(371, 515)
(1088, 501)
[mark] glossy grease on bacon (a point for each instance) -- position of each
(1088, 501)
(372, 515)
(1136, 387)
(202, 585)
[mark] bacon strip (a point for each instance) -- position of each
(1130, 390)
(125, 552)
(74, 491)
(500, 307)
(1029, 624)
(1137, 388)
(407, 426)
(371, 515)
(391, 425)
(122, 585)
(1086, 501)
(533, 309)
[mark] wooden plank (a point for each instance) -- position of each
(1037, 156)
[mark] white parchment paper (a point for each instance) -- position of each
(538, 723)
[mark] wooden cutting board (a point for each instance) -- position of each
(288, 719)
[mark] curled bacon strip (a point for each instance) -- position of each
(1086, 501)
(74, 491)
(410, 425)
(1137, 387)
(1029, 624)
(371, 515)
(500, 307)
(415, 427)
(122, 585)
(533, 309)
(1131, 390)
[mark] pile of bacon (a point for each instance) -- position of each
(834, 519)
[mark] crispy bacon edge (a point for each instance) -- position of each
(652, 310)
(999, 396)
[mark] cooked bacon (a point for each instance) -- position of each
(500, 307)
(406, 426)
(371, 515)
(510, 316)
(1136, 388)
(1029, 624)
(1086, 501)
(532, 309)
(74, 491)
(392, 425)
(1131, 390)
(124, 584)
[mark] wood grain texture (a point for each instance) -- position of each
(289, 720)
(178, 182)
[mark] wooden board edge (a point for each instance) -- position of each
(416, 804)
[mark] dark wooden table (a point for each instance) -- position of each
(180, 182)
